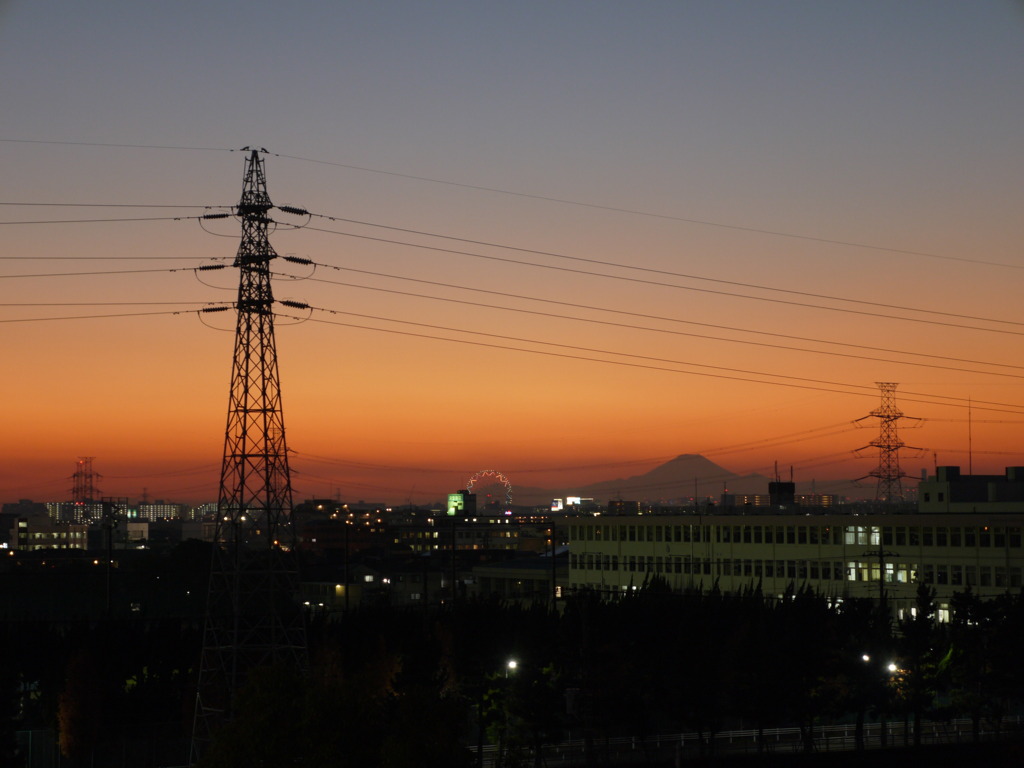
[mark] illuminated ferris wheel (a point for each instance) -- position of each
(497, 476)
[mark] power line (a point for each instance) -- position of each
(547, 198)
(844, 310)
(102, 272)
(802, 383)
(203, 469)
(355, 464)
(93, 317)
(506, 294)
(518, 339)
(979, 421)
(585, 320)
(649, 214)
(117, 145)
(114, 258)
(114, 205)
(78, 317)
(549, 353)
(840, 457)
(112, 304)
(667, 273)
(678, 333)
(615, 265)
(611, 264)
(805, 434)
(98, 221)
(971, 450)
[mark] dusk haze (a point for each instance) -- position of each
(568, 241)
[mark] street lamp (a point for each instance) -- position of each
(511, 666)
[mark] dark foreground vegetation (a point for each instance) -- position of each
(395, 688)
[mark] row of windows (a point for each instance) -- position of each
(802, 570)
(782, 569)
(474, 545)
(465, 535)
(926, 536)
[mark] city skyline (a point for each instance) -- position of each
(569, 243)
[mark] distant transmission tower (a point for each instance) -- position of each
(252, 616)
(888, 473)
(84, 493)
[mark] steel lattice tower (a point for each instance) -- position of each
(84, 493)
(252, 617)
(888, 473)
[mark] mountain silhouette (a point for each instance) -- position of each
(675, 481)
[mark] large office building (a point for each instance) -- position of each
(837, 555)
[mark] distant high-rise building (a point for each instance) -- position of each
(162, 510)
(621, 507)
(74, 511)
(461, 503)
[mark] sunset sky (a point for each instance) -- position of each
(565, 240)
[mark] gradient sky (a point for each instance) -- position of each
(701, 171)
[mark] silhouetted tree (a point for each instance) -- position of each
(918, 643)
(80, 707)
(9, 683)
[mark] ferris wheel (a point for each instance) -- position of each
(500, 477)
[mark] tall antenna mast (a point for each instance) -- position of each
(970, 439)
(252, 616)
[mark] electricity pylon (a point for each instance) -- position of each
(84, 493)
(889, 489)
(252, 614)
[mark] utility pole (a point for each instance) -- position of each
(253, 616)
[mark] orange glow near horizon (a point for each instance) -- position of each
(407, 416)
(566, 245)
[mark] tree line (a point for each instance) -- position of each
(390, 687)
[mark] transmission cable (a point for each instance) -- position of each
(534, 196)
(666, 273)
(801, 382)
(116, 258)
(111, 304)
(94, 317)
(358, 464)
(116, 145)
(505, 294)
(103, 272)
(675, 332)
(649, 214)
(805, 434)
(114, 205)
(98, 221)
(844, 310)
